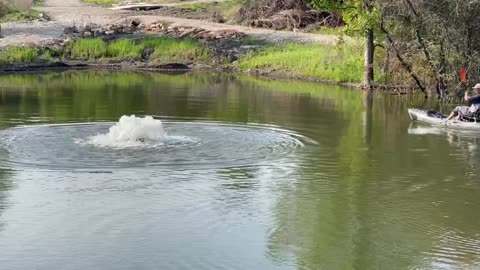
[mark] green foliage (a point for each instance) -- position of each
(52, 54)
(124, 49)
(343, 63)
(168, 49)
(19, 55)
(39, 3)
(9, 12)
(17, 15)
(165, 49)
(88, 49)
(359, 15)
(326, 30)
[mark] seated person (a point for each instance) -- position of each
(473, 103)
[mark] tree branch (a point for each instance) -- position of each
(404, 63)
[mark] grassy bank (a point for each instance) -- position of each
(159, 50)
(336, 63)
(20, 16)
(342, 63)
(12, 13)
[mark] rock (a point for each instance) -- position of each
(65, 41)
(217, 17)
(187, 33)
(129, 30)
(203, 34)
(146, 52)
(109, 32)
(98, 32)
(176, 66)
(89, 26)
(29, 45)
(52, 43)
(87, 34)
(135, 23)
(70, 30)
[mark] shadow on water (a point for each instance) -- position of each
(5, 186)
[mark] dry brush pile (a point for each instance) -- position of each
(285, 14)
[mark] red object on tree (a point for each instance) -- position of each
(463, 75)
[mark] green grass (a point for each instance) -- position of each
(17, 15)
(88, 49)
(168, 49)
(165, 50)
(326, 30)
(38, 3)
(19, 55)
(124, 49)
(52, 54)
(342, 63)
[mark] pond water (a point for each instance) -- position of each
(255, 174)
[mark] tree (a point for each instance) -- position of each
(360, 16)
(434, 39)
(431, 40)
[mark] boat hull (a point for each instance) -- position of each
(440, 120)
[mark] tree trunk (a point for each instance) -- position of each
(369, 53)
(386, 61)
(368, 116)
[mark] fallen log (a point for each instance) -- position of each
(139, 7)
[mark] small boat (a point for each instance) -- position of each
(438, 119)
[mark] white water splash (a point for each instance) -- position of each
(131, 131)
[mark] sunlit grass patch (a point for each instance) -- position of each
(343, 63)
(168, 49)
(164, 49)
(88, 49)
(14, 55)
(124, 49)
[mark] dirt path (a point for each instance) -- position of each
(166, 4)
(65, 13)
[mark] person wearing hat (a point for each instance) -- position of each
(473, 103)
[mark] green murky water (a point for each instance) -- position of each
(275, 175)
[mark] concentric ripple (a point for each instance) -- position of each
(189, 145)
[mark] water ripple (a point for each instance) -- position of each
(189, 145)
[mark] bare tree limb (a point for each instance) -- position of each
(404, 63)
